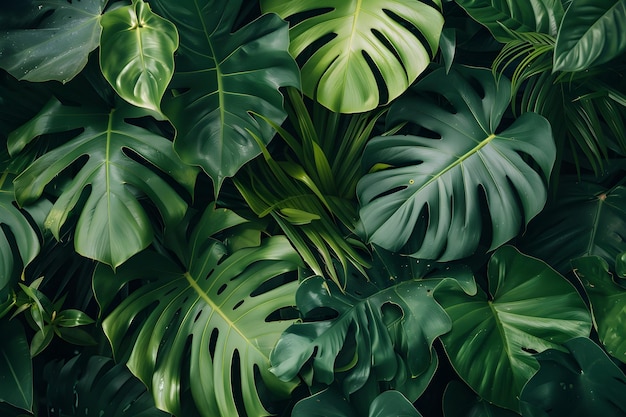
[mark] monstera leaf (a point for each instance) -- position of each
(424, 195)
(586, 219)
(112, 225)
(347, 45)
(579, 383)
(58, 48)
(137, 53)
(384, 322)
(587, 34)
(202, 323)
(529, 308)
(14, 226)
(608, 303)
(221, 80)
(543, 16)
(95, 386)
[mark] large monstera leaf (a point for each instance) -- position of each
(424, 195)
(112, 225)
(137, 53)
(543, 16)
(585, 219)
(222, 79)
(529, 308)
(58, 47)
(387, 323)
(202, 323)
(345, 46)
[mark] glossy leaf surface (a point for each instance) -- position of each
(608, 303)
(345, 45)
(586, 219)
(580, 382)
(427, 202)
(203, 329)
(16, 374)
(221, 79)
(590, 34)
(529, 308)
(137, 53)
(58, 48)
(543, 16)
(112, 225)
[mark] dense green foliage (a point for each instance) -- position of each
(312, 208)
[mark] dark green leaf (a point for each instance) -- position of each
(428, 200)
(363, 38)
(112, 225)
(72, 318)
(529, 308)
(191, 323)
(580, 383)
(221, 79)
(608, 303)
(41, 340)
(590, 34)
(327, 403)
(137, 53)
(460, 401)
(16, 374)
(392, 404)
(58, 47)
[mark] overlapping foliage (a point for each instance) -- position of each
(312, 208)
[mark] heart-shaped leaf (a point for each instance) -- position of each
(608, 303)
(202, 324)
(588, 34)
(579, 383)
(429, 200)
(346, 46)
(58, 48)
(529, 308)
(543, 16)
(585, 219)
(221, 80)
(112, 225)
(137, 53)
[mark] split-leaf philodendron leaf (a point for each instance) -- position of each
(363, 39)
(112, 225)
(434, 194)
(137, 53)
(221, 79)
(529, 308)
(200, 325)
(58, 48)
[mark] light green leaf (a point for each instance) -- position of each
(137, 53)
(590, 34)
(520, 16)
(346, 45)
(529, 308)
(428, 203)
(58, 47)
(112, 225)
(608, 303)
(195, 322)
(20, 231)
(16, 374)
(580, 383)
(221, 79)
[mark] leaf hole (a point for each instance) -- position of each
(383, 92)
(529, 350)
(284, 313)
(391, 313)
(415, 31)
(275, 282)
(197, 316)
(313, 47)
(389, 46)
(221, 289)
(236, 306)
(213, 342)
(300, 17)
(391, 191)
(235, 375)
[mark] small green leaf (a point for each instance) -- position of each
(72, 318)
(41, 340)
(590, 34)
(75, 336)
(137, 53)
(608, 303)
(582, 382)
(529, 308)
(16, 374)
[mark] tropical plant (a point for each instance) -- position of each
(312, 208)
